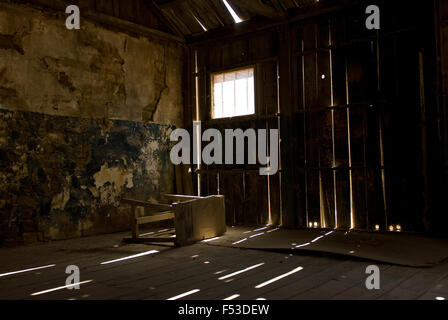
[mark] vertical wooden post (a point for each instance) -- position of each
(134, 222)
(424, 138)
(292, 217)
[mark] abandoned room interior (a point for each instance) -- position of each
(223, 150)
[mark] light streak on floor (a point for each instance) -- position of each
(257, 235)
(210, 240)
(183, 295)
(147, 234)
(317, 239)
(220, 272)
(241, 241)
(241, 271)
(264, 284)
(26, 270)
(61, 288)
(131, 257)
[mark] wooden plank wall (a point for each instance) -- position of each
(442, 54)
(350, 115)
(247, 193)
(359, 110)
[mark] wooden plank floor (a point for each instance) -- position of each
(173, 271)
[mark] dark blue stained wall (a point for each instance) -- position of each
(63, 177)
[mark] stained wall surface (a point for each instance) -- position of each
(85, 120)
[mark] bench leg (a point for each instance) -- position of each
(135, 233)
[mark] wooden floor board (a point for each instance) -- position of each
(173, 271)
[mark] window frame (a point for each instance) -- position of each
(212, 92)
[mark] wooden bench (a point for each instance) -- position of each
(161, 212)
(195, 218)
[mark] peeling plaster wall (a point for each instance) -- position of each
(90, 73)
(85, 118)
(64, 176)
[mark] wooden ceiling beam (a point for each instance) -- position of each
(289, 4)
(170, 3)
(159, 14)
(122, 25)
(249, 27)
(278, 6)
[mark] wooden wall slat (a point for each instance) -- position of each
(274, 182)
(313, 197)
(268, 88)
(327, 199)
(310, 93)
(340, 139)
(339, 76)
(323, 79)
(337, 128)
(343, 199)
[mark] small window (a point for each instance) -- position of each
(233, 94)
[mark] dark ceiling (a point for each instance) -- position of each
(190, 17)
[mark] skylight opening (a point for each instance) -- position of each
(232, 12)
(200, 23)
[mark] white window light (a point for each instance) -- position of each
(233, 94)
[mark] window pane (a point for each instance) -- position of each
(233, 94)
(241, 97)
(229, 98)
(251, 93)
(218, 102)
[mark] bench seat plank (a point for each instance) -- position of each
(145, 204)
(156, 218)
